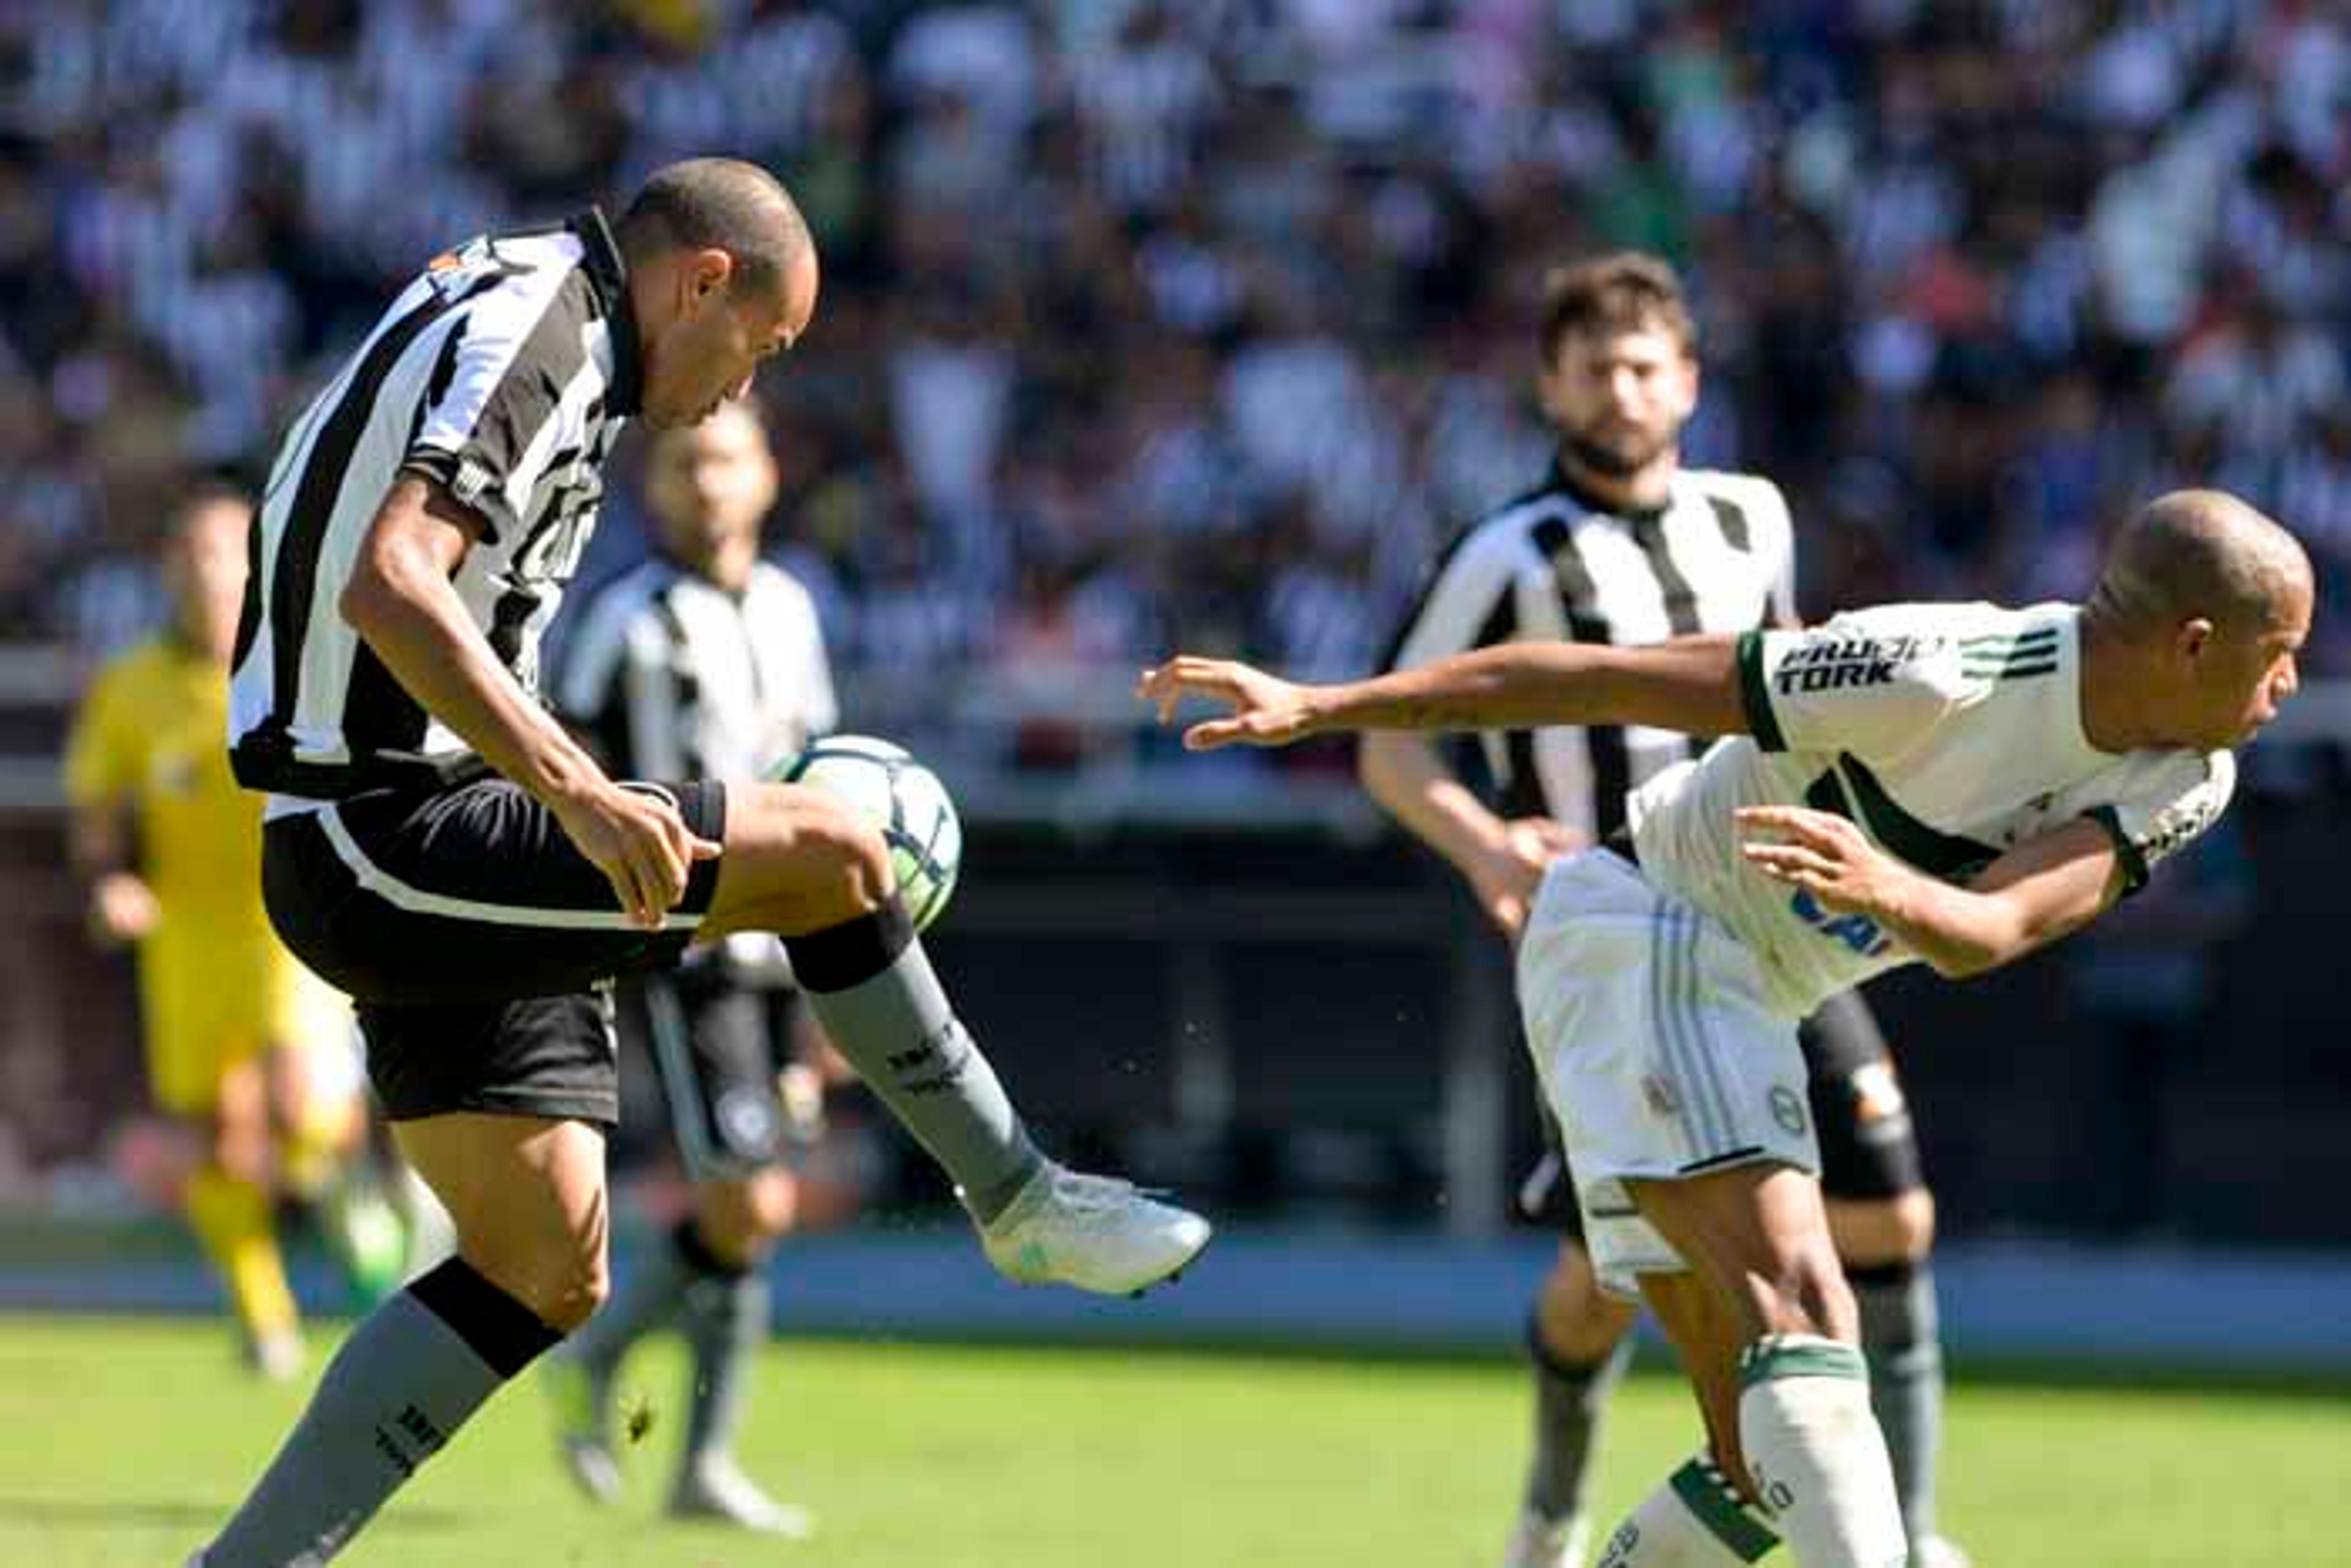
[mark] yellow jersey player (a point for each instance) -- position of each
(242, 1041)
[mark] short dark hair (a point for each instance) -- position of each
(1624, 291)
(717, 203)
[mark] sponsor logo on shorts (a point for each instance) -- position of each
(1788, 1110)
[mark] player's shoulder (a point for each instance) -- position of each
(773, 581)
(1729, 487)
(636, 595)
(503, 283)
(1751, 509)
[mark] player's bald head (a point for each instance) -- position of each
(718, 203)
(2203, 553)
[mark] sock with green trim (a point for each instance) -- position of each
(1899, 1334)
(1816, 1454)
(1697, 1519)
(1568, 1400)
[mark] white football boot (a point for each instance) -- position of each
(1091, 1232)
(1539, 1542)
(1934, 1551)
(714, 1487)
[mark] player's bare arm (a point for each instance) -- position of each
(399, 599)
(122, 908)
(2036, 892)
(1501, 858)
(1691, 684)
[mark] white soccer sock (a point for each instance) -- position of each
(1816, 1454)
(1697, 1519)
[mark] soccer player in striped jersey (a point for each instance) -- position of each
(705, 662)
(1952, 784)
(1623, 544)
(439, 847)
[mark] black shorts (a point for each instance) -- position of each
(1868, 1149)
(471, 934)
(717, 1047)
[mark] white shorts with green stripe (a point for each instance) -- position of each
(1655, 1049)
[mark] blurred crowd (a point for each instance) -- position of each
(1207, 321)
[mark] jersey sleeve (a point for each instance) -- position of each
(2165, 812)
(1863, 682)
(1468, 589)
(102, 751)
(483, 431)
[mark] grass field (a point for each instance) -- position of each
(123, 1440)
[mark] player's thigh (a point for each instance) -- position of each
(797, 860)
(1758, 1236)
(526, 1197)
(465, 894)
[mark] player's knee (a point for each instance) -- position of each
(817, 847)
(1884, 1231)
(1805, 1292)
(741, 1218)
(576, 1283)
(1577, 1321)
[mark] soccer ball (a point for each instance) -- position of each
(901, 797)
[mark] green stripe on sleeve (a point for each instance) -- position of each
(1709, 1497)
(2135, 869)
(1755, 694)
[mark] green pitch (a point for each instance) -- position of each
(122, 1441)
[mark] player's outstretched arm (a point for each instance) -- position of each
(2036, 892)
(1691, 684)
(399, 599)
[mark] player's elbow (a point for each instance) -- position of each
(1998, 936)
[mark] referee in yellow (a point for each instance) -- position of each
(239, 1036)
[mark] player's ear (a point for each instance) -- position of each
(2194, 637)
(704, 273)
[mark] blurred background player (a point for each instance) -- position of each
(1621, 544)
(249, 1056)
(704, 662)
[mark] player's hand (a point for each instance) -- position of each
(1267, 710)
(1823, 853)
(122, 909)
(1506, 874)
(639, 842)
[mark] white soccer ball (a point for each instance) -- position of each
(901, 797)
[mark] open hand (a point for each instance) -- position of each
(1267, 710)
(636, 837)
(1821, 852)
(1506, 874)
(122, 909)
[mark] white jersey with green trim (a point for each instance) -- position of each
(1949, 733)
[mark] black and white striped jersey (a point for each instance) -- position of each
(503, 373)
(674, 677)
(1554, 566)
